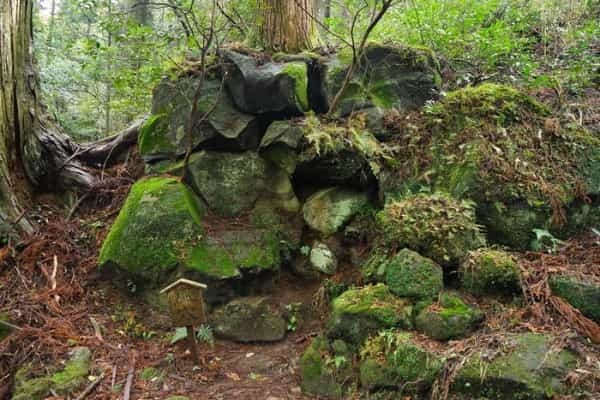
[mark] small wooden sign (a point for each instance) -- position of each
(187, 309)
(186, 302)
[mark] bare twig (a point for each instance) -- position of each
(90, 388)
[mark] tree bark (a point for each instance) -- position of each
(287, 25)
(34, 154)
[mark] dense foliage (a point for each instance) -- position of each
(100, 59)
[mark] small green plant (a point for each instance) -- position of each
(206, 335)
(545, 241)
(131, 326)
(292, 311)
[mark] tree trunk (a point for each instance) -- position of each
(33, 153)
(287, 25)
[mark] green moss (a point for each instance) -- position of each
(488, 271)
(318, 371)
(155, 230)
(585, 296)
(213, 261)
(528, 367)
(298, 71)
(497, 146)
(450, 318)
(153, 136)
(73, 376)
(147, 374)
(75, 373)
(411, 275)
(434, 225)
(30, 389)
(358, 312)
(393, 359)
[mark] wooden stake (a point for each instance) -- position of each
(193, 345)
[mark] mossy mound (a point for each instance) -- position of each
(407, 274)
(435, 225)
(449, 318)
(393, 360)
(499, 147)
(325, 367)
(488, 271)
(357, 313)
(70, 378)
(527, 368)
(585, 296)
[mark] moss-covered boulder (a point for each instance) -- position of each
(581, 293)
(528, 367)
(72, 377)
(157, 229)
(387, 76)
(394, 360)
(499, 147)
(165, 133)
(163, 230)
(357, 313)
(407, 274)
(435, 225)
(328, 210)
(449, 318)
(489, 271)
(271, 87)
(248, 319)
(325, 367)
(231, 183)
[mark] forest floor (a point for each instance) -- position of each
(51, 287)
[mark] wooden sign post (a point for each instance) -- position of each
(186, 305)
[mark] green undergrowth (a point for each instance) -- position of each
(323, 138)
(435, 225)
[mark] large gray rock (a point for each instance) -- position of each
(328, 210)
(529, 367)
(388, 76)
(248, 320)
(165, 134)
(259, 88)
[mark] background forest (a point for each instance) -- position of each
(100, 59)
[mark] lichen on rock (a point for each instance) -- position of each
(325, 367)
(449, 318)
(357, 313)
(528, 367)
(248, 320)
(328, 210)
(392, 359)
(489, 271)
